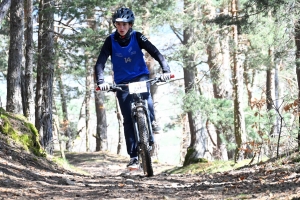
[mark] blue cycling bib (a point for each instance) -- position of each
(128, 62)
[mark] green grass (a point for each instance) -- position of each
(19, 130)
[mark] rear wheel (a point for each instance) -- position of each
(144, 143)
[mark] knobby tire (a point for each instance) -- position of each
(144, 143)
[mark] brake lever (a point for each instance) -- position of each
(154, 81)
(114, 89)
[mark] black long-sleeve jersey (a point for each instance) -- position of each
(143, 42)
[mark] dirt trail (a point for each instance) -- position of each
(23, 176)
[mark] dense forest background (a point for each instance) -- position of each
(235, 95)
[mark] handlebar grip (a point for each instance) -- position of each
(98, 88)
(111, 89)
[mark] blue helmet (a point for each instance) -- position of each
(123, 15)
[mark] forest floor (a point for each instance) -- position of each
(102, 175)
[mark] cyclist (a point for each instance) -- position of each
(125, 48)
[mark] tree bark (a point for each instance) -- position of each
(277, 101)
(14, 97)
(185, 142)
(121, 128)
(218, 92)
(4, 7)
(101, 132)
(269, 80)
(45, 70)
(28, 97)
(239, 121)
(297, 41)
(249, 77)
(88, 86)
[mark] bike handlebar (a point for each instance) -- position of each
(115, 87)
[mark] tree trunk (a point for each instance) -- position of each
(269, 89)
(297, 40)
(249, 77)
(239, 121)
(219, 93)
(198, 139)
(88, 86)
(45, 69)
(66, 123)
(56, 130)
(14, 98)
(277, 101)
(4, 7)
(121, 128)
(28, 97)
(185, 142)
(269, 92)
(101, 134)
(269, 81)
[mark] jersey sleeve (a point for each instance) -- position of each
(144, 43)
(102, 58)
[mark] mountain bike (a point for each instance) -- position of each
(141, 120)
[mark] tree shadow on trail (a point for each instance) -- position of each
(95, 158)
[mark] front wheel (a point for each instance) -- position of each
(144, 148)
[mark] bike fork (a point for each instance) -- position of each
(134, 109)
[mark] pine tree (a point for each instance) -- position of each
(27, 79)
(45, 73)
(13, 102)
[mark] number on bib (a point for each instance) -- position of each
(137, 87)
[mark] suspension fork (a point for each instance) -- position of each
(134, 121)
(148, 118)
(135, 106)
